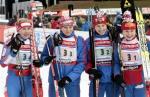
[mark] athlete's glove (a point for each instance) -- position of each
(64, 81)
(119, 80)
(94, 74)
(48, 59)
(57, 39)
(37, 63)
(15, 44)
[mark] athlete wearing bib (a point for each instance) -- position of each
(128, 54)
(103, 58)
(17, 56)
(69, 62)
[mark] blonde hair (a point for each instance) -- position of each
(22, 20)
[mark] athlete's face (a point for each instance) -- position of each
(101, 28)
(25, 32)
(67, 30)
(129, 34)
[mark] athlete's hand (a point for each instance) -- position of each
(64, 81)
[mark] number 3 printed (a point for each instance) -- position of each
(131, 57)
(67, 52)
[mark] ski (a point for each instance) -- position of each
(36, 79)
(59, 92)
(92, 50)
(144, 48)
(59, 72)
(58, 68)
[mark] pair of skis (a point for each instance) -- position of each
(143, 48)
(59, 90)
(36, 79)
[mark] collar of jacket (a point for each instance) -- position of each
(65, 36)
(101, 36)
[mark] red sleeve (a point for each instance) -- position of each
(89, 64)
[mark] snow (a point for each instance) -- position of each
(44, 75)
(3, 72)
(83, 85)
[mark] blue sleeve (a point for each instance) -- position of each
(88, 56)
(79, 67)
(117, 65)
(148, 45)
(88, 50)
(46, 50)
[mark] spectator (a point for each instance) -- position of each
(54, 23)
(85, 24)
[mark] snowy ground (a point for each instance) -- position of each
(44, 72)
(84, 82)
(3, 73)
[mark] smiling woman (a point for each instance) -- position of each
(19, 71)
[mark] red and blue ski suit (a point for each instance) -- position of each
(127, 62)
(19, 79)
(69, 61)
(103, 57)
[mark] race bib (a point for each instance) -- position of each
(131, 58)
(103, 53)
(25, 57)
(67, 54)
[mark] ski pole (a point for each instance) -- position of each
(60, 90)
(92, 50)
(59, 70)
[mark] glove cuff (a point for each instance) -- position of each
(37, 63)
(68, 79)
(49, 59)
